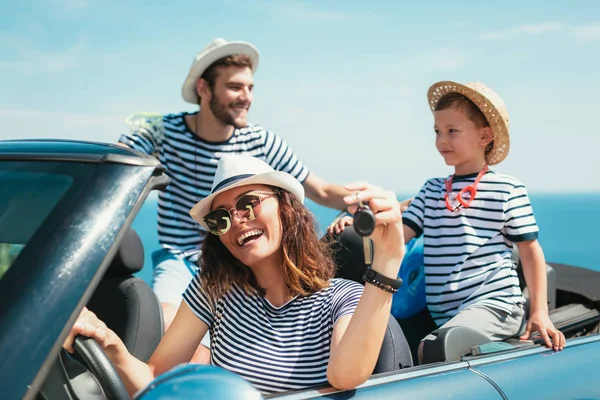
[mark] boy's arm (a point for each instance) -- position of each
(534, 270)
(409, 234)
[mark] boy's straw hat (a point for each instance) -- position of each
(490, 104)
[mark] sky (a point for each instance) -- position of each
(344, 82)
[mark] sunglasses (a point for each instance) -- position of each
(464, 198)
(247, 208)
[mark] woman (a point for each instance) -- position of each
(266, 290)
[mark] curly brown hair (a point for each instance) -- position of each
(308, 263)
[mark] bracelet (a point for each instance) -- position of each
(383, 287)
(381, 281)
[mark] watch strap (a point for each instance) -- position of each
(373, 276)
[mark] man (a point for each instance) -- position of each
(189, 145)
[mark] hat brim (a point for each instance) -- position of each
(498, 122)
(279, 179)
(188, 90)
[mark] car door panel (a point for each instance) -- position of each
(569, 374)
(443, 381)
(460, 384)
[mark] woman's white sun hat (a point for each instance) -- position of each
(490, 104)
(217, 49)
(235, 170)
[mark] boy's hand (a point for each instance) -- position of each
(388, 236)
(339, 225)
(540, 322)
(405, 203)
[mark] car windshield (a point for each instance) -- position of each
(27, 197)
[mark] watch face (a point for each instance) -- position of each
(370, 274)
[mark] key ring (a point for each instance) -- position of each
(364, 220)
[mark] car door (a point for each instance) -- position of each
(541, 373)
(440, 381)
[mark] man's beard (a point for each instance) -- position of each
(220, 111)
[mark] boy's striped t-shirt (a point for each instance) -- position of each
(191, 163)
(468, 252)
(275, 348)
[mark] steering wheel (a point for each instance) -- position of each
(100, 366)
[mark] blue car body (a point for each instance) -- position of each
(65, 208)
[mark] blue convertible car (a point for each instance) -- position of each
(65, 242)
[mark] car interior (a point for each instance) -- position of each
(130, 308)
(573, 302)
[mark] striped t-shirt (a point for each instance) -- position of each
(274, 348)
(191, 163)
(468, 252)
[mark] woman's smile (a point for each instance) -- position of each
(249, 236)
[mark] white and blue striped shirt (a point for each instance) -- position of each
(467, 253)
(275, 348)
(191, 163)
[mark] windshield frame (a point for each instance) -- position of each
(59, 268)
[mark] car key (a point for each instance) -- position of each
(364, 225)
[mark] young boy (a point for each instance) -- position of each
(472, 219)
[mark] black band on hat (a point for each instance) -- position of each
(230, 181)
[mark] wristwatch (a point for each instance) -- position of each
(381, 281)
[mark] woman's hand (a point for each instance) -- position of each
(89, 325)
(134, 373)
(388, 236)
(540, 322)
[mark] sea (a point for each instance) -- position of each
(569, 227)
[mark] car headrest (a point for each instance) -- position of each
(129, 258)
(349, 256)
(451, 344)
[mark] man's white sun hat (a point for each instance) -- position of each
(217, 49)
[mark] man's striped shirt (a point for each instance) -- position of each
(468, 252)
(191, 163)
(275, 348)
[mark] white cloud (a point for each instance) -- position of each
(403, 92)
(446, 59)
(303, 11)
(522, 30)
(23, 123)
(587, 33)
(31, 60)
(294, 9)
(582, 33)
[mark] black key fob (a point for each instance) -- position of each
(364, 220)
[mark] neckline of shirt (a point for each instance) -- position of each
(458, 178)
(189, 131)
(281, 307)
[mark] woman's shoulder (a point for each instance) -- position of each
(336, 287)
(344, 285)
